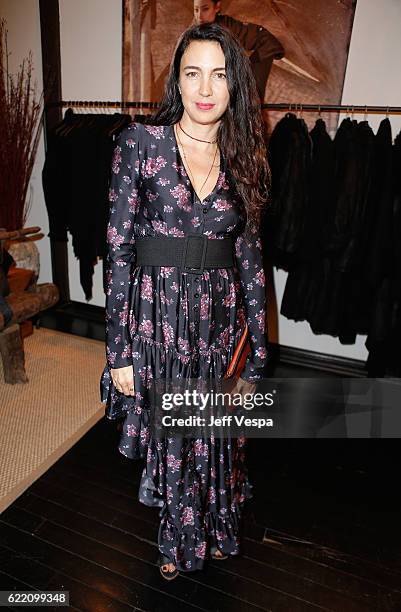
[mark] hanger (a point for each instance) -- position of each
(68, 123)
(365, 113)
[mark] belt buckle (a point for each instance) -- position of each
(186, 268)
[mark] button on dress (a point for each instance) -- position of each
(172, 324)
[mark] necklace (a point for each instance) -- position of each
(189, 168)
(193, 137)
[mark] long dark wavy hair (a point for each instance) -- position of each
(241, 133)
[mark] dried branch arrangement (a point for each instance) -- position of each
(20, 126)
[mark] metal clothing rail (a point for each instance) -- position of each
(334, 108)
(102, 104)
(280, 106)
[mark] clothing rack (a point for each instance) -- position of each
(334, 108)
(102, 104)
(280, 106)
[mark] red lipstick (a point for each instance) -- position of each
(204, 106)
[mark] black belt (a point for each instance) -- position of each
(192, 253)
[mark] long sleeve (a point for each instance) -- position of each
(124, 203)
(249, 258)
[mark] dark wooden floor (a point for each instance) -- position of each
(321, 533)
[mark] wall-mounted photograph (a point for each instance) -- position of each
(298, 50)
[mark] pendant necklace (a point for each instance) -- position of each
(186, 159)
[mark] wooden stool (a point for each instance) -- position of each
(12, 354)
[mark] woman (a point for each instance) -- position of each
(198, 170)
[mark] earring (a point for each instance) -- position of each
(179, 89)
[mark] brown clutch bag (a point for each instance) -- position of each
(238, 360)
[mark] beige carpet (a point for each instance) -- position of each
(41, 419)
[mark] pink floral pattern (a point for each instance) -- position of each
(160, 320)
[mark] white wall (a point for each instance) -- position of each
(91, 35)
(23, 25)
(373, 69)
(91, 69)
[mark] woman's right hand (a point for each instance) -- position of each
(123, 379)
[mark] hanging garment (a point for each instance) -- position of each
(75, 184)
(326, 313)
(368, 262)
(334, 308)
(383, 341)
(172, 324)
(379, 252)
(344, 277)
(356, 299)
(138, 118)
(290, 162)
(304, 279)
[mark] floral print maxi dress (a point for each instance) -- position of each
(169, 323)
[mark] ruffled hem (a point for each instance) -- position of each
(189, 549)
(191, 521)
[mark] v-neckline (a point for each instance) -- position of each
(187, 173)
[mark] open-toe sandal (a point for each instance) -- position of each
(167, 575)
(219, 557)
